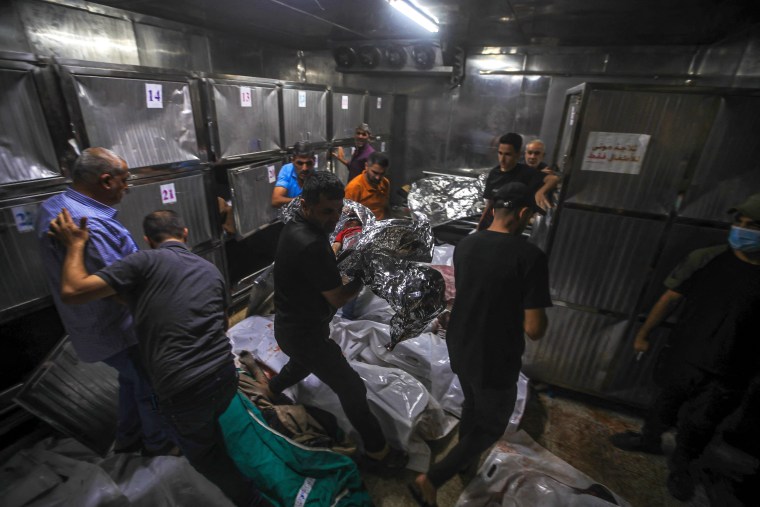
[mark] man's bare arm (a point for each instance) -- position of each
(659, 312)
(535, 323)
(280, 197)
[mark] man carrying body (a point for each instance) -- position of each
(308, 290)
(102, 330)
(502, 288)
(292, 176)
(362, 151)
(712, 356)
(371, 188)
(509, 170)
(178, 300)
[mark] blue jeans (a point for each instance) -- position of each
(193, 415)
(137, 411)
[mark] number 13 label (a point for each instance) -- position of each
(154, 96)
(168, 194)
(245, 96)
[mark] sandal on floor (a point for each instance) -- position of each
(417, 495)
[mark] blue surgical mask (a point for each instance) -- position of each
(744, 240)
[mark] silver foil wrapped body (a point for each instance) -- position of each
(386, 259)
(415, 291)
(446, 198)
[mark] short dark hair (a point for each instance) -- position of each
(93, 162)
(379, 158)
(364, 128)
(163, 224)
(513, 139)
(303, 149)
(322, 183)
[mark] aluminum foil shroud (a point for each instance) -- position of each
(446, 198)
(384, 259)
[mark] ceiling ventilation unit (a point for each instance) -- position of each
(407, 57)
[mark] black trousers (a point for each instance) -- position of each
(695, 402)
(193, 416)
(316, 353)
(485, 417)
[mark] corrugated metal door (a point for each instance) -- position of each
(610, 236)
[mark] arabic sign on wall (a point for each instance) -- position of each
(614, 152)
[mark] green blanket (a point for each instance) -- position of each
(288, 474)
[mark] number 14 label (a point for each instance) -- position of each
(168, 194)
(154, 97)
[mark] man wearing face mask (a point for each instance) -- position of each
(711, 358)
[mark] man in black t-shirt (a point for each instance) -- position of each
(502, 288)
(178, 301)
(712, 357)
(307, 291)
(509, 170)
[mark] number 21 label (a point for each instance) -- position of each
(168, 194)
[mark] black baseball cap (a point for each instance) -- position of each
(516, 195)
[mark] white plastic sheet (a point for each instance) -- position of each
(65, 473)
(520, 473)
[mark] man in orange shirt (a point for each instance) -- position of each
(371, 188)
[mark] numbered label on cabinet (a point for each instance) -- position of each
(382, 146)
(245, 96)
(154, 96)
(316, 161)
(168, 194)
(272, 175)
(379, 102)
(24, 216)
(344, 102)
(301, 98)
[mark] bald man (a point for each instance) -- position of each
(102, 330)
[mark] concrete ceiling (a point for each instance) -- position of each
(316, 24)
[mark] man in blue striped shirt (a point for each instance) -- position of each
(102, 330)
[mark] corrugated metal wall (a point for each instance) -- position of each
(729, 168)
(116, 116)
(26, 150)
(347, 113)
(191, 203)
(676, 123)
(617, 236)
(77, 398)
(243, 130)
(304, 115)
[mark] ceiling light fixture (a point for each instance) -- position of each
(416, 13)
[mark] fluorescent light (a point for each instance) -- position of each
(416, 13)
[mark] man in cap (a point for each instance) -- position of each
(102, 330)
(371, 188)
(711, 358)
(292, 176)
(502, 289)
(510, 170)
(362, 151)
